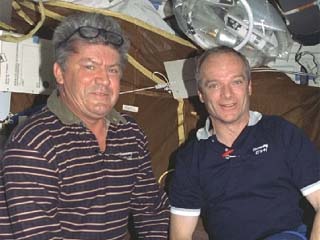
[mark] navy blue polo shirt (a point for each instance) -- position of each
(252, 189)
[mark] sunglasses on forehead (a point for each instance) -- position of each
(88, 32)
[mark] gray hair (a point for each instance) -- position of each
(217, 51)
(63, 39)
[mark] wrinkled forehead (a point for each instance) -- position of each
(97, 52)
(83, 47)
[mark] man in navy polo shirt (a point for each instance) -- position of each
(245, 172)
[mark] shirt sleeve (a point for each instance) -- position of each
(185, 192)
(149, 203)
(5, 225)
(303, 159)
(31, 193)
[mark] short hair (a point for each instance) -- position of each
(217, 51)
(70, 24)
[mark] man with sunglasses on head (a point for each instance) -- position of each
(78, 169)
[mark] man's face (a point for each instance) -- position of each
(91, 80)
(225, 89)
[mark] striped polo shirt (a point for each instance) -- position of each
(57, 184)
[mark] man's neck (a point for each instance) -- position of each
(228, 133)
(99, 129)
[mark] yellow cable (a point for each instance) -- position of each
(6, 27)
(48, 13)
(181, 133)
(14, 38)
(164, 174)
(144, 70)
(21, 13)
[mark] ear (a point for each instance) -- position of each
(200, 96)
(250, 87)
(58, 73)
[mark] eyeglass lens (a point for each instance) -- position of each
(89, 32)
(110, 37)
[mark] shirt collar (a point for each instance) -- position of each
(205, 132)
(66, 116)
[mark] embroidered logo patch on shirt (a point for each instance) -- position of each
(126, 155)
(261, 149)
(227, 154)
